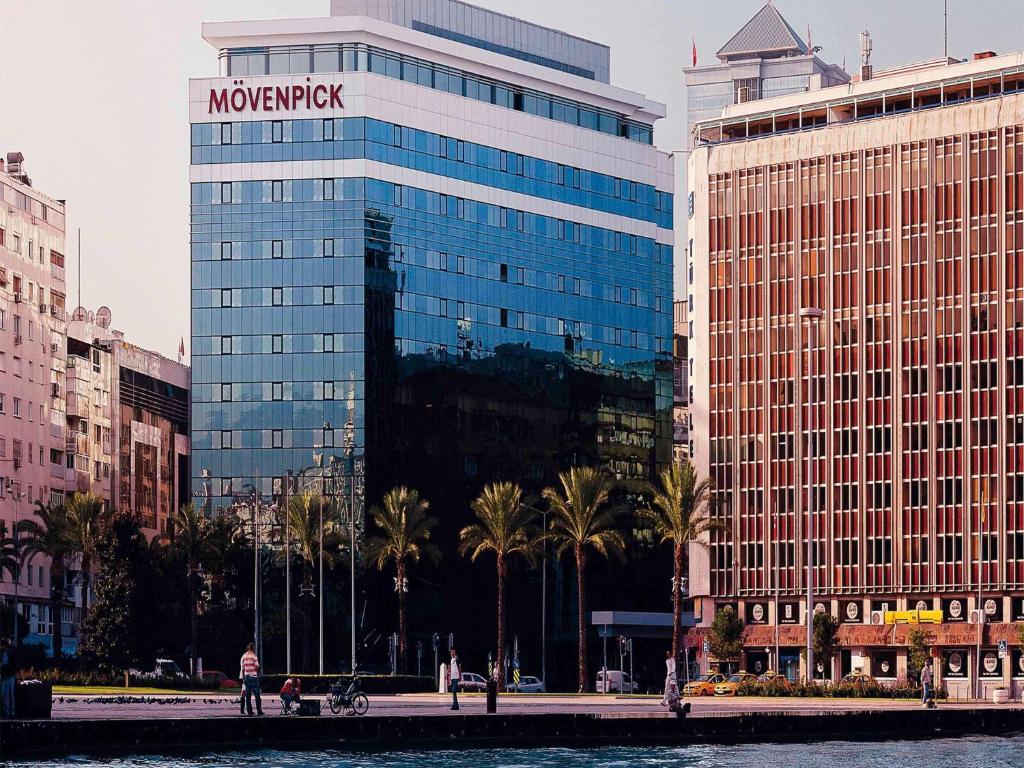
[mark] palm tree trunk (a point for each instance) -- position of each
(581, 564)
(56, 601)
(501, 623)
(402, 629)
(307, 630)
(193, 616)
(83, 601)
(677, 599)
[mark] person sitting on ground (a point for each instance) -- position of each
(291, 692)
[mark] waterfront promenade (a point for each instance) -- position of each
(73, 706)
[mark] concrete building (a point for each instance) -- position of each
(681, 448)
(765, 58)
(32, 327)
(127, 422)
(895, 204)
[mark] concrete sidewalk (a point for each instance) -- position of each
(225, 706)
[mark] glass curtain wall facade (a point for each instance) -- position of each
(453, 305)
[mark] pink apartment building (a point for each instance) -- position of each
(33, 323)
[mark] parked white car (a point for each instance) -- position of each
(527, 684)
(614, 681)
(473, 682)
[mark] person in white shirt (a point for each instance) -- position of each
(455, 675)
(671, 698)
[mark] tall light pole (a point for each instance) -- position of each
(778, 661)
(287, 588)
(350, 451)
(981, 610)
(321, 585)
(812, 318)
(544, 607)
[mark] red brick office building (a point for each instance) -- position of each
(895, 204)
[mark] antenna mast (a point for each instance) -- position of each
(79, 266)
(945, 29)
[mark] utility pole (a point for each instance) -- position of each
(980, 609)
(321, 585)
(544, 608)
(257, 634)
(287, 585)
(813, 317)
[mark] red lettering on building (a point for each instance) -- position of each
(271, 98)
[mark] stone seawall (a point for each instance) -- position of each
(54, 738)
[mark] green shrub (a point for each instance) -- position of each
(56, 676)
(839, 690)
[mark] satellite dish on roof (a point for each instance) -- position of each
(78, 314)
(103, 317)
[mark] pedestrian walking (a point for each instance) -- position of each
(454, 676)
(241, 692)
(251, 680)
(7, 681)
(926, 684)
(671, 697)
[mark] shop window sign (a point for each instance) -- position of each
(954, 610)
(850, 612)
(789, 613)
(757, 613)
(955, 663)
(993, 607)
(1018, 663)
(991, 664)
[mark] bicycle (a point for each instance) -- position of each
(350, 699)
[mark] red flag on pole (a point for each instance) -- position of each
(694, 51)
(181, 349)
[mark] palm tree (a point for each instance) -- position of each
(582, 521)
(9, 563)
(680, 515)
(48, 536)
(505, 528)
(304, 516)
(406, 536)
(8, 553)
(85, 513)
(224, 536)
(192, 542)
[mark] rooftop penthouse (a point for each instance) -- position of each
(907, 89)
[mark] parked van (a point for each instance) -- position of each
(614, 681)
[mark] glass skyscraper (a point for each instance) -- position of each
(432, 237)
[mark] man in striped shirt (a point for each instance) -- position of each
(251, 680)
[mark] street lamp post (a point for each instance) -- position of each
(321, 585)
(544, 606)
(778, 661)
(812, 316)
(352, 556)
(287, 591)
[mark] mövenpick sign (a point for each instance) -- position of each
(275, 98)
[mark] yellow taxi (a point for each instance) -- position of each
(728, 687)
(703, 685)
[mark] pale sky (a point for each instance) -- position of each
(94, 94)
